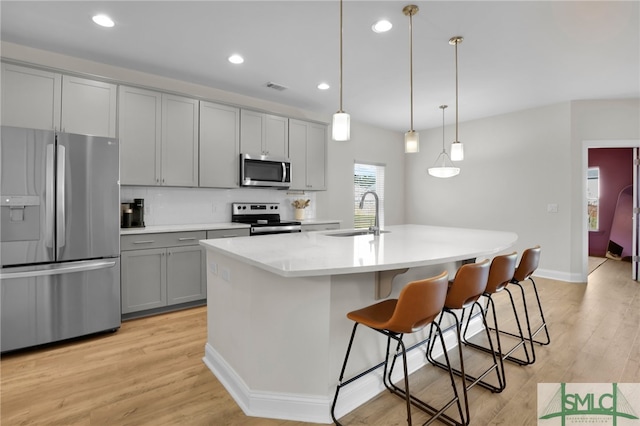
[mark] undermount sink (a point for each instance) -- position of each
(353, 233)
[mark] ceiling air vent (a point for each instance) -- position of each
(276, 86)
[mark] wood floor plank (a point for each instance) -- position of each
(151, 372)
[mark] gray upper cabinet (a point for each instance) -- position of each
(219, 145)
(308, 154)
(39, 99)
(158, 138)
(88, 107)
(31, 98)
(264, 134)
(140, 115)
(179, 141)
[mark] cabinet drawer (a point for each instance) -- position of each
(167, 239)
(228, 233)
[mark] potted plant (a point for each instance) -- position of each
(299, 206)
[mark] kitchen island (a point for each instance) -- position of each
(277, 304)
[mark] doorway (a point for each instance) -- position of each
(600, 237)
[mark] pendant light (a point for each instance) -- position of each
(411, 138)
(341, 125)
(441, 168)
(457, 149)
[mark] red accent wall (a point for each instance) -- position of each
(616, 172)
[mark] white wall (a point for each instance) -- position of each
(515, 166)
(369, 145)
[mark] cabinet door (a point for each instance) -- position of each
(179, 141)
(30, 98)
(88, 107)
(251, 132)
(298, 154)
(276, 136)
(186, 279)
(308, 153)
(316, 156)
(144, 281)
(140, 115)
(219, 145)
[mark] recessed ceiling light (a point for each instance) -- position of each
(236, 59)
(382, 26)
(323, 86)
(103, 21)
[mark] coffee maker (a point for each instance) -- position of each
(133, 214)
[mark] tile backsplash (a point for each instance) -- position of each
(182, 206)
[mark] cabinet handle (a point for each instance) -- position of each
(230, 236)
(144, 242)
(186, 239)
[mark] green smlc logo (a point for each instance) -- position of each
(587, 405)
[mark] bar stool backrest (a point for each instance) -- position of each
(419, 303)
(528, 264)
(501, 272)
(468, 285)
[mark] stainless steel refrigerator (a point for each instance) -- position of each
(59, 233)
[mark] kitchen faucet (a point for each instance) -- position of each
(375, 228)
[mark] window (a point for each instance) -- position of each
(593, 197)
(368, 177)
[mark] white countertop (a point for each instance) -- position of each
(182, 228)
(404, 246)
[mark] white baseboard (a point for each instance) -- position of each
(316, 408)
(557, 275)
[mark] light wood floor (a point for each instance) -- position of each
(151, 372)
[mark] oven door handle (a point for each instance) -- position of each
(256, 230)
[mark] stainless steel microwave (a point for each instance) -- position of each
(263, 171)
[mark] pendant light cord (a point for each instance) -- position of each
(340, 57)
(443, 107)
(411, 63)
(456, 93)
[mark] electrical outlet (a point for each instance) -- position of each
(225, 274)
(213, 267)
(552, 208)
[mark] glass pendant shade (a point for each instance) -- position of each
(442, 168)
(457, 151)
(341, 126)
(411, 142)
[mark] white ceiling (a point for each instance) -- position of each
(515, 55)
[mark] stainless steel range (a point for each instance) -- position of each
(264, 218)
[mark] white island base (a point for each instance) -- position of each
(276, 311)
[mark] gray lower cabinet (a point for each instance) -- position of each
(159, 270)
(143, 279)
(228, 233)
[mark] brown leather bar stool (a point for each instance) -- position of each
(500, 275)
(464, 291)
(527, 266)
(418, 305)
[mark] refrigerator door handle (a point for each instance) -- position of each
(56, 269)
(49, 201)
(60, 201)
